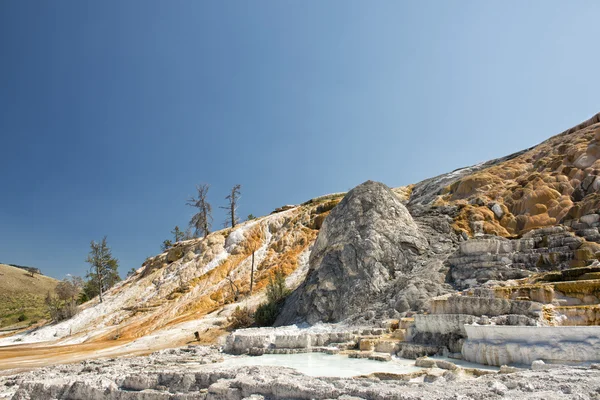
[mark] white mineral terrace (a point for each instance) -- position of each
(506, 345)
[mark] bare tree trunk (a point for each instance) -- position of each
(235, 291)
(205, 213)
(99, 277)
(202, 220)
(252, 275)
(232, 199)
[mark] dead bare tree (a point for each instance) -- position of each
(235, 290)
(254, 244)
(252, 273)
(202, 220)
(232, 198)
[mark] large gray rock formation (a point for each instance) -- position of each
(368, 241)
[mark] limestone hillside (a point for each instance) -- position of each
(22, 296)
(194, 286)
(371, 254)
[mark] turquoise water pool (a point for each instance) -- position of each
(320, 364)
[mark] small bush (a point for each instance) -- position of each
(241, 318)
(60, 310)
(22, 317)
(83, 297)
(276, 288)
(277, 291)
(266, 314)
(69, 310)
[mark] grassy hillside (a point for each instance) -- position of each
(22, 296)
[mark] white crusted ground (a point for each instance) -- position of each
(195, 373)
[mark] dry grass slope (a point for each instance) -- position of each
(22, 294)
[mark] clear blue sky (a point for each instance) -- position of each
(111, 111)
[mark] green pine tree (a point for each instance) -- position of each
(166, 245)
(103, 269)
(178, 234)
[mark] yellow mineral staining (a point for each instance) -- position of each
(404, 192)
(570, 297)
(587, 251)
(181, 294)
(286, 260)
(548, 314)
(471, 213)
(542, 293)
(531, 200)
(579, 289)
(584, 315)
(472, 185)
(539, 188)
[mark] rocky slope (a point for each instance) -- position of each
(510, 218)
(195, 285)
(379, 254)
(550, 184)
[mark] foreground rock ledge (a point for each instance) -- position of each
(194, 373)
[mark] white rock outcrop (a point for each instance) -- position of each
(443, 323)
(243, 341)
(505, 345)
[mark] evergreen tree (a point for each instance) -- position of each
(103, 268)
(166, 245)
(267, 312)
(178, 234)
(276, 288)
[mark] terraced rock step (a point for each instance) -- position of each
(292, 337)
(522, 345)
(496, 258)
(479, 306)
(571, 274)
(583, 315)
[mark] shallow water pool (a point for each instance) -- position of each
(320, 364)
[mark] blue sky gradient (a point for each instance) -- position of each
(111, 112)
